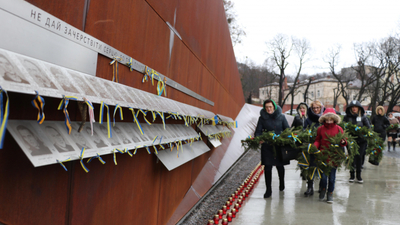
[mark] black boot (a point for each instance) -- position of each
(388, 146)
(351, 180)
(281, 174)
(268, 179)
(359, 179)
(394, 145)
(310, 188)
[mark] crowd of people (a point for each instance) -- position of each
(326, 121)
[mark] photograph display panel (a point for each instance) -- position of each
(46, 143)
(23, 74)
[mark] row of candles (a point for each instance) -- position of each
(235, 201)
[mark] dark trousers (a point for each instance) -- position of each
(268, 175)
(358, 158)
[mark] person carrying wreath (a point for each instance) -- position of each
(313, 114)
(329, 128)
(392, 133)
(380, 122)
(271, 119)
(355, 114)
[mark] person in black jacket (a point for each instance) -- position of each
(380, 122)
(355, 115)
(271, 119)
(301, 116)
(313, 113)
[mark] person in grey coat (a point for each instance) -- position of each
(271, 119)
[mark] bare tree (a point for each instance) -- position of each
(280, 47)
(305, 94)
(301, 48)
(363, 69)
(332, 58)
(235, 29)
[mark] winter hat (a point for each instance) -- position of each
(329, 112)
(377, 109)
(268, 101)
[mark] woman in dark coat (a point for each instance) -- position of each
(380, 122)
(392, 133)
(355, 114)
(271, 119)
(301, 116)
(313, 113)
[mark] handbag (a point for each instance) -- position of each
(288, 153)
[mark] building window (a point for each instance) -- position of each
(312, 94)
(318, 94)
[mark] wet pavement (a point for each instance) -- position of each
(376, 201)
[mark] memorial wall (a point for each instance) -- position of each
(112, 109)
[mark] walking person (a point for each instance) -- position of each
(313, 114)
(380, 122)
(329, 128)
(392, 133)
(301, 116)
(271, 119)
(355, 114)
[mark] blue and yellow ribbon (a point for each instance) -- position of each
(61, 163)
(135, 119)
(121, 116)
(108, 118)
(144, 115)
(63, 105)
(161, 86)
(98, 157)
(130, 64)
(4, 112)
(115, 68)
(38, 102)
(81, 160)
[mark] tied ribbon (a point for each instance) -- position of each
(305, 165)
(273, 137)
(130, 64)
(215, 120)
(115, 68)
(63, 106)
(38, 102)
(4, 112)
(357, 128)
(115, 157)
(91, 113)
(136, 149)
(61, 163)
(121, 116)
(319, 172)
(161, 87)
(144, 115)
(81, 159)
(370, 133)
(98, 157)
(309, 132)
(335, 145)
(108, 118)
(295, 138)
(136, 121)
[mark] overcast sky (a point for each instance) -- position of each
(323, 23)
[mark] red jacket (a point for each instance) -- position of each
(322, 132)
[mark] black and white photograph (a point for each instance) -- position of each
(119, 132)
(37, 73)
(63, 79)
(114, 139)
(80, 81)
(132, 134)
(79, 138)
(9, 71)
(59, 141)
(97, 140)
(32, 143)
